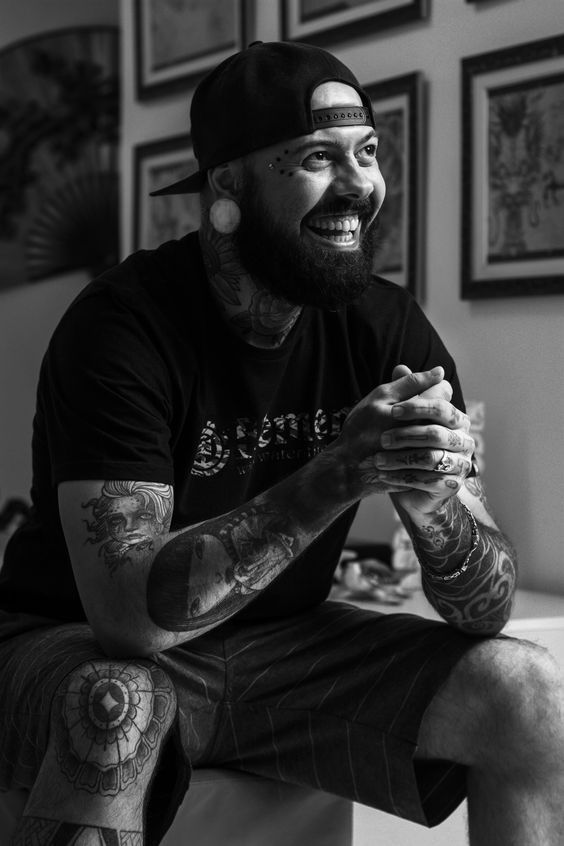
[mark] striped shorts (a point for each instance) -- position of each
(332, 699)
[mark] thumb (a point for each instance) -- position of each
(413, 384)
(400, 370)
(441, 391)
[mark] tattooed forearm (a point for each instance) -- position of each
(479, 600)
(444, 539)
(245, 552)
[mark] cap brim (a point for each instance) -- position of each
(188, 185)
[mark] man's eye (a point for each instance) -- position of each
(316, 160)
(368, 154)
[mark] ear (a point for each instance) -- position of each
(225, 180)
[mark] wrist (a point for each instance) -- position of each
(453, 573)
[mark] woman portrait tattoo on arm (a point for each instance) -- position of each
(127, 518)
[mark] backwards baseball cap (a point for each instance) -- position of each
(259, 97)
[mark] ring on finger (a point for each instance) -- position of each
(445, 465)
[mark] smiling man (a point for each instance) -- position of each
(209, 416)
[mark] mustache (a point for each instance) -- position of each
(337, 206)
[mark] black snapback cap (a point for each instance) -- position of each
(259, 97)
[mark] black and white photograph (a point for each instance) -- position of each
(281, 466)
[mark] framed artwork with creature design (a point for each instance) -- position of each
(513, 171)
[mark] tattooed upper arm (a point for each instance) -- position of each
(113, 529)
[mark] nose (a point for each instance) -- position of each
(353, 180)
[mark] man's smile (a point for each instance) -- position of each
(336, 230)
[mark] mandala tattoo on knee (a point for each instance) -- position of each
(112, 716)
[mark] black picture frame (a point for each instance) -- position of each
(399, 110)
(176, 43)
(326, 21)
(512, 239)
(59, 171)
(159, 219)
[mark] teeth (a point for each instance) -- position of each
(339, 224)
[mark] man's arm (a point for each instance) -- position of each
(469, 567)
(145, 589)
(479, 599)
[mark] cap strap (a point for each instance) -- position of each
(341, 116)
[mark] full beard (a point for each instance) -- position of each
(301, 272)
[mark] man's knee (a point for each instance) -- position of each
(502, 705)
(524, 695)
(108, 722)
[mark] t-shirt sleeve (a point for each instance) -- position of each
(104, 397)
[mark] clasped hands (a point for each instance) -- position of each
(406, 438)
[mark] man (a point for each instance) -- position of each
(209, 416)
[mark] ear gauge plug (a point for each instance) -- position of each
(225, 216)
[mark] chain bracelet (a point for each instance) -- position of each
(454, 574)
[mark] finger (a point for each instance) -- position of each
(432, 460)
(428, 437)
(421, 480)
(436, 410)
(412, 384)
(443, 391)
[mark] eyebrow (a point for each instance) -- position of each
(329, 142)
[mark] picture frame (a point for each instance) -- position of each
(398, 105)
(59, 162)
(177, 41)
(324, 21)
(159, 219)
(512, 240)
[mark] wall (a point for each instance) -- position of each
(29, 313)
(509, 351)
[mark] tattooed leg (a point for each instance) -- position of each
(108, 723)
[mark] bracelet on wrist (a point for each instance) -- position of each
(454, 574)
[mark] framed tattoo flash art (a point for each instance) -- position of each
(398, 111)
(322, 21)
(513, 171)
(159, 219)
(177, 40)
(59, 147)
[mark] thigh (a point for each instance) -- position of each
(334, 699)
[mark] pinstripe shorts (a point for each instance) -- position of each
(332, 698)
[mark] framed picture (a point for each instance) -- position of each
(398, 112)
(177, 40)
(59, 149)
(160, 219)
(513, 171)
(323, 21)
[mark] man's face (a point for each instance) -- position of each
(308, 210)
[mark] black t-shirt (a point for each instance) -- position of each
(143, 380)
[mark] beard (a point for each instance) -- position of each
(301, 272)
